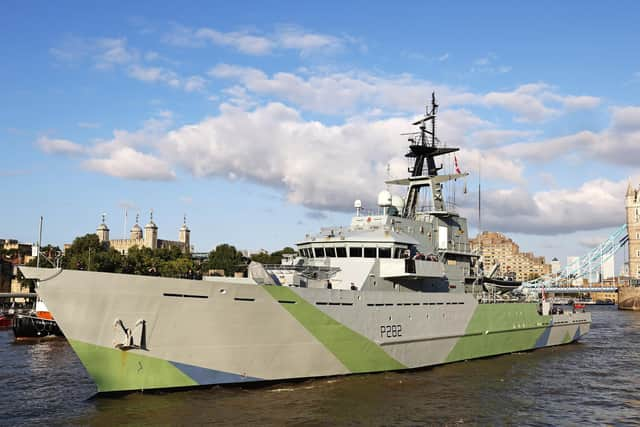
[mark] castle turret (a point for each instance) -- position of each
(184, 235)
(151, 234)
(136, 230)
(103, 231)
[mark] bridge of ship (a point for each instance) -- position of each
(585, 266)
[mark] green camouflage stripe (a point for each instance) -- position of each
(356, 352)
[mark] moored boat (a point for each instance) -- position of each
(5, 320)
(38, 324)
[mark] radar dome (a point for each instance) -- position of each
(397, 202)
(384, 198)
(357, 204)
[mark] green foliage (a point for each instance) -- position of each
(87, 253)
(225, 257)
(273, 258)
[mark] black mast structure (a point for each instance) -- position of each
(425, 147)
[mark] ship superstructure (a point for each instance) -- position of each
(395, 290)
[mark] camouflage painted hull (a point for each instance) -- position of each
(187, 333)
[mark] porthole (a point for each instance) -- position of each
(222, 291)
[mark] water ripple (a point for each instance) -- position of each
(593, 382)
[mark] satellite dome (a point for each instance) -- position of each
(397, 202)
(357, 204)
(384, 198)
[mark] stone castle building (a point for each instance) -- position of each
(146, 239)
(497, 248)
(632, 205)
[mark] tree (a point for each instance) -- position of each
(274, 257)
(88, 253)
(225, 257)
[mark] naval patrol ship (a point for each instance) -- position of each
(397, 290)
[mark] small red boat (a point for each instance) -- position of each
(5, 320)
(578, 306)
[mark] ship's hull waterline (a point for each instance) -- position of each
(184, 333)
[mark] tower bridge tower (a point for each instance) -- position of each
(632, 205)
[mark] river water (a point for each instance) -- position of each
(596, 381)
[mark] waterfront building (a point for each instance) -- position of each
(147, 238)
(496, 248)
(16, 252)
(6, 274)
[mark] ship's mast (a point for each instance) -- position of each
(425, 147)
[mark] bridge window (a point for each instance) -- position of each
(319, 252)
(638, 252)
(384, 252)
(369, 252)
(331, 252)
(355, 252)
(341, 252)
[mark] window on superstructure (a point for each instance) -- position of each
(397, 252)
(319, 252)
(369, 252)
(331, 252)
(341, 252)
(384, 252)
(355, 252)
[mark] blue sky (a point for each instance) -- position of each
(263, 122)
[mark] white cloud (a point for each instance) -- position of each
(127, 155)
(194, 83)
(494, 137)
(60, 146)
(487, 64)
(125, 162)
(306, 42)
(347, 92)
(317, 165)
(112, 52)
(242, 41)
(591, 242)
(255, 43)
(594, 205)
(109, 53)
(580, 102)
(550, 149)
